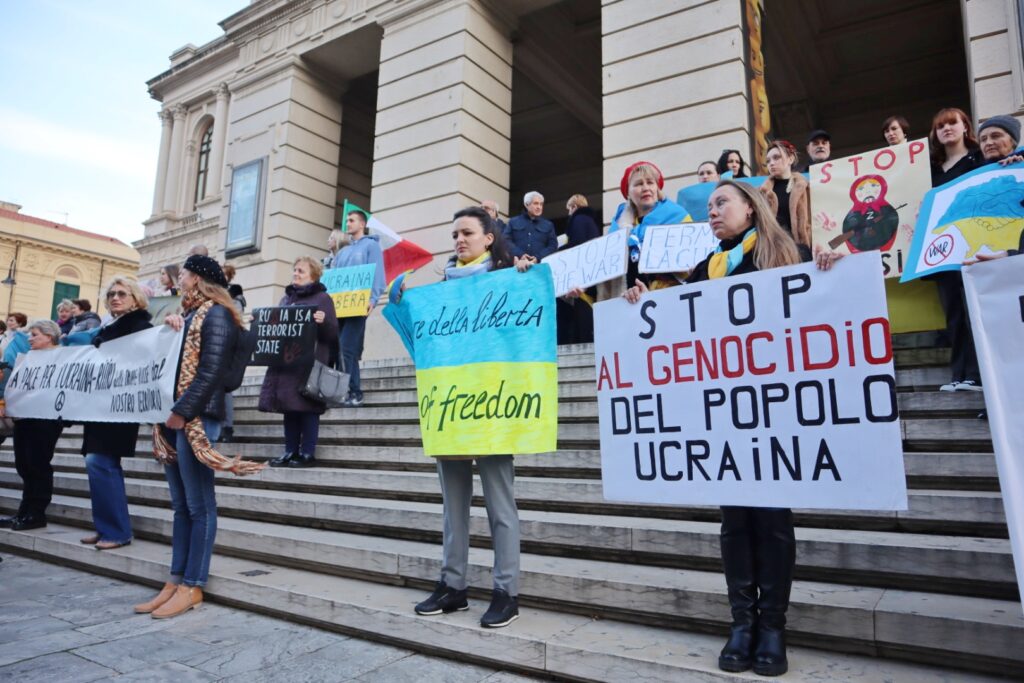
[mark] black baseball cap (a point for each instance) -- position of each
(819, 133)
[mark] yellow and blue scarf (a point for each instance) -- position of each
(723, 263)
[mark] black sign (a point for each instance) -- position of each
(285, 336)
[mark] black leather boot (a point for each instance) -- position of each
(776, 554)
(738, 562)
(283, 460)
(302, 460)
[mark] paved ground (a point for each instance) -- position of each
(59, 624)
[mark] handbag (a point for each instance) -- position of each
(327, 385)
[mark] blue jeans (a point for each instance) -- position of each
(195, 511)
(109, 500)
(350, 337)
(301, 431)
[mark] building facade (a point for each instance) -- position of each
(46, 262)
(416, 108)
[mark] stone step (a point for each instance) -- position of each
(962, 471)
(935, 404)
(951, 564)
(275, 492)
(971, 633)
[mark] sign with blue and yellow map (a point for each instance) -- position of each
(979, 212)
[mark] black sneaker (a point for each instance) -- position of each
(8, 522)
(28, 522)
(302, 460)
(444, 599)
(503, 611)
(284, 460)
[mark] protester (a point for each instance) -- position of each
(64, 318)
(998, 138)
(896, 130)
(282, 385)
(954, 152)
(731, 164)
(492, 208)
(575, 311)
(819, 148)
(479, 248)
(335, 241)
(82, 316)
(198, 250)
(237, 294)
(211, 326)
(169, 279)
(707, 172)
(758, 544)
(105, 443)
(788, 192)
(642, 186)
(530, 234)
(34, 439)
(15, 322)
(365, 248)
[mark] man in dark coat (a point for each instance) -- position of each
(530, 234)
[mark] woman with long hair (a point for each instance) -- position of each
(758, 544)
(954, 149)
(281, 390)
(169, 278)
(732, 165)
(211, 326)
(479, 249)
(788, 192)
(105, 443)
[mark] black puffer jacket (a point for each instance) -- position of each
(116, 439)
(205, 396)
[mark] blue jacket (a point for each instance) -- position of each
(533, 236)
(665, 212)
(17, 346)
(360, 252)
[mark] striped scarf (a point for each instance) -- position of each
(197, 439)
(722, 263)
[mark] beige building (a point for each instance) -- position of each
(50, 261)
(416, 108)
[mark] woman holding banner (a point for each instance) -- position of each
(34, 439)
(211, 326)
(281, 385)
(788, 192)
(642, 187)
(105, 443)
(479, 249)
(758, 544)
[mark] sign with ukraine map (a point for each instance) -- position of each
(981, 211)
(486, 362)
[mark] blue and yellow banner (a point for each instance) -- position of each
(486, 362)
(349, 288)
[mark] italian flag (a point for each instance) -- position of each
(400, 255)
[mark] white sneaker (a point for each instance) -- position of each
(952, 386)
(968, 385)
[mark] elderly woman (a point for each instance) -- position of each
(282, 385)
(788, 192)
(64, 321)
(642, 187)
(34, 440)
(105, 443)
(211, 326)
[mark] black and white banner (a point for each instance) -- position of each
(995, 298)
(130, 379)
(774, 389)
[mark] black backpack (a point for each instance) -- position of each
(245, 345)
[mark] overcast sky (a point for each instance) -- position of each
(79, 134)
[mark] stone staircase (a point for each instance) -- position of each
(611, 591)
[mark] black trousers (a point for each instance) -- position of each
(758, 554)
(575, 322)
(34, 443)
(964, 361)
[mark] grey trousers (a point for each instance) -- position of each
(497, 474)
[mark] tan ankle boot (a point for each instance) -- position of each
(163, 596)
(184, 599)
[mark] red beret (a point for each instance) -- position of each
(624, 183)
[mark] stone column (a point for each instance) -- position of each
(443, 122)
(220, 133)
(175, 159)
(674, 88)
(166, 123)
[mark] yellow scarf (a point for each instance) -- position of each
(479, 259)
(722, 263)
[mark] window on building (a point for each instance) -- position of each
(203, 169)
